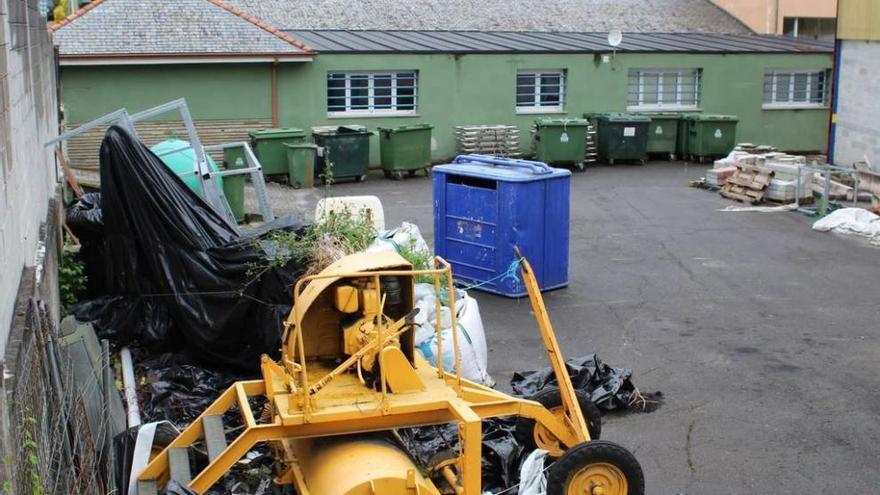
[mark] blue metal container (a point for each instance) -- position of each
(485, 206)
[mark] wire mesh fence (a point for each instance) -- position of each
(61, 433)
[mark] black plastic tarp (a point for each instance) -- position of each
(178, 274)
(608, 387)
(501, 453)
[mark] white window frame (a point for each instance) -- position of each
(371, 95)
(536, 107)
(791, 104)
(662, 74)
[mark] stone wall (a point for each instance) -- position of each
(28, 118)
(857, 133)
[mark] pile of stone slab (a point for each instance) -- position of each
(787, 180)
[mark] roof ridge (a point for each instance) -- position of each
(260, 24)
(75, 15)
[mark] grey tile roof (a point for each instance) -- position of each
(179, 27)
(544, 42)
(496, 15)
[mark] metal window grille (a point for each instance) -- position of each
(372, 92)
(540, 90)
(796, 88)
(668, 88)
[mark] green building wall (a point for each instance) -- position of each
(453, 90)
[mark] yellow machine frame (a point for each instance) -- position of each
(307, 403)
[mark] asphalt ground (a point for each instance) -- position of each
(761, 334)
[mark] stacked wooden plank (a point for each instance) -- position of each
(83, 150)
(748, 183)
(496, 140)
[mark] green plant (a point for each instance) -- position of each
(29, 453)
(71, 276)
(339, 234)
(419, 260)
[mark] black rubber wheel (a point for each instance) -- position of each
(397, 175)
(643, 161)
(672, 157)
(412, 173)
(611, 161)
(387, 174)
(599, 463)
(579, 166)
(550, 398)
(361, 178)
(296, 185)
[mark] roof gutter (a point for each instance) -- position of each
(179, 59)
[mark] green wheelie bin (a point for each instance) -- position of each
(710, 136)
(347, 150)
(268, 145)
(405, 149)
(560, 141)
(233, 185)
(622, 136)
(301, 159)
(663, 133)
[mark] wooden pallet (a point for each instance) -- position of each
(748, 183)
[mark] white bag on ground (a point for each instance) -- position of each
(407, 236)
(851, 221)
(532, 480)
(473, 352)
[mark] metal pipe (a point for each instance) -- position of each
(274, 90)
(107, 378)
(130, 385)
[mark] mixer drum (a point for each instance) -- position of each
(358, 465)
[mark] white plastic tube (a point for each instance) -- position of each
(130, 385)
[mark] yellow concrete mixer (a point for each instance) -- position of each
(349, 376)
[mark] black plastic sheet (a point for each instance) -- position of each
(173, 387)
(179, 276)
(608, 387)
(85, 219)
(502, 454)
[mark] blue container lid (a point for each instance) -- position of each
(502, 169)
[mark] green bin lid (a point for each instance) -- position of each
(331, 130)
(560, 122)
(624, 117)
(301, 145)
(662, 115)
(277, 133)
(708, 117)
(405, 128)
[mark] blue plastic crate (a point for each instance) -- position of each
(484, 206)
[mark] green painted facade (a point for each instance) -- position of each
(212, 91)
(453, 90)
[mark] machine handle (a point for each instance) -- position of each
(537, 168)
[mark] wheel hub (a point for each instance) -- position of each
(598, 479)
(546, 440)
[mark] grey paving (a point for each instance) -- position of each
(761, 333)
(496, 15)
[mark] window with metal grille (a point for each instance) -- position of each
(787, 89)
(539, 91)
(649, 89)
(372, 93)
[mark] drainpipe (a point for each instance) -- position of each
(835, 94)
(776, 28)
(275, 93)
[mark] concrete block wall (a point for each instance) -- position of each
(28, 118)
(857, 133)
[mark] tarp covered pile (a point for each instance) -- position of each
(178, 274)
